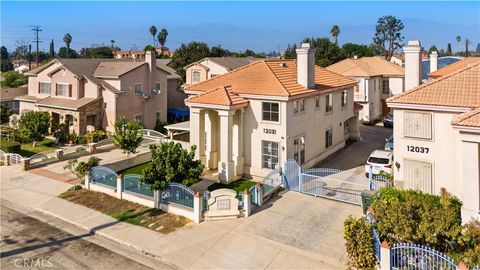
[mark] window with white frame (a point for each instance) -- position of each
(344, 98)
(45, 88)
(329, 103)
(385, 87)
(195, 76)
(328, 138)
(138, 89)
(62, 89)
(417, 125)
(317, 102)
(299, 150)
(270, 111)
(269, 154)
(299, 105)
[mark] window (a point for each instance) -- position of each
(195, 76)
(62, 89)
(299, 106)
(386, 87)
(317, 102)
(157, 88)
(138, 89)
(139, 118)
(329, 103)
(418, 175)
(270, 111)
(328, 138)
(299, 150)
(356, 89)
(344, 98)
(269, 155)
(417, 125)
(44, 88)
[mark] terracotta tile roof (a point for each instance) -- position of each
(367, 67)
(272, 78)
(468, 119)
(458, 89)
(222, 96)
(454, 67)
(9, 94)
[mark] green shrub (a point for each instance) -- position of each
(469, 243)
(359, 242)
(95, 136)
(416, 217)
(10, 146)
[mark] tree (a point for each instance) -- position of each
(52, 49)
(13, 79)
(172, 163)
(127, 135)
(112, 42)
(467, 42)
(99, 52)
(349, 50)
(153, 32)
(449, 49)
(149, 48)
(67, 39)
(162, 37)
(21, 50)
(388, 36)
(33, 125)
(335, 31)
(458, 38)
(65, 52)
(187, 54)
(432, 48)
(80, 169)
(218, 51)
(5, 114)
(326, 53)
(477, 51)
(6, 64)
(290, 52)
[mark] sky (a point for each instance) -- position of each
(259, 26)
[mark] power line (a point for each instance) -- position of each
(36, 29)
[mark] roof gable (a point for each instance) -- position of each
(367, 67)
(222, 96)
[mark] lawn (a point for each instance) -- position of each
(134, 170)
(27, 150)
(238, 186)
(122, 210)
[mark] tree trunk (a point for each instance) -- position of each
(34, 144)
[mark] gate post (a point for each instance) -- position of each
(119, 186)
(370, 178)
(156, 196)
(87, 181)
(259, 194)
(300, 178)
(246, 203)
(197, 207)
(385, 256)
(6, 160)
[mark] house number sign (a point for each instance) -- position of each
(417, 149)
(269, 131)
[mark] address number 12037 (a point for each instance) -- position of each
(417, 149)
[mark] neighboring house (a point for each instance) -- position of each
(453, 66)
(8, 95)
(437, 134)
(378, 79)
(211, 67)
(96, 92)
(21, 65)
(141, 54)
(249, 121)
(399, 59)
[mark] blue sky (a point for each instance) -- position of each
(261, 26)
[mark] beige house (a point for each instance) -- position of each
(378, 79)
(8, 95)
(96, 92)
(251, 120)
(211, 67)
(437, 136)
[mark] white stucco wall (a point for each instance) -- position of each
(214, 68)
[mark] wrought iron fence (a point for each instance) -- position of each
(103, 176)
(413, 256)
(132, 183)
(240, 197)
(177, 194)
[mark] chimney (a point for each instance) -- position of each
(413, 64)
(433, 61)
(306, 66)
(151, 60)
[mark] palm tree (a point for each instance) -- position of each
(67, 39)
(335, 31)
(153, 32)
(113, 43)
(458, 39)
(162, 36)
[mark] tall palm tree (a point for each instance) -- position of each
(335, 31)
(67, 39)
(153, 32)
(113, 43)
(458, 39)
(162, 36)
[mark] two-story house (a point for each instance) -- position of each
(251, 120)
(96, 92)
(378, 79)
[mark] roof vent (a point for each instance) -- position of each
(283, 65)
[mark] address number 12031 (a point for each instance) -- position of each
(417, 149)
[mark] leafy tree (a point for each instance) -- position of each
(5, 114)
(172, 163)
(335, 31)
(187, 54)
(127, 135)
(162, 37)
(218, 51)
(13, 79)
(21, 50)
(249, 53)
(432, 48)
(80, 169)
(326, 53)
(62, 52)
(6, 63)
(290, 52)
(149, 48)
(449, 49)
(99, 52)
(34, 125)
(67, 39)
(349, 50)
(388, 35)
(52, 49)
(153, 32)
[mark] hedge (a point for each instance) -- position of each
(359, 242)
(10, 146)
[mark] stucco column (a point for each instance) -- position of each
(385, 256)
(239, 158)
(470, 183)
(197, 207)
(212, 140)
(197, 132)
(226, 170)
(119, 186)
(246, 203)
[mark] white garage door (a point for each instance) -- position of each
(418, 175)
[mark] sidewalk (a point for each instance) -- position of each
(219, 245)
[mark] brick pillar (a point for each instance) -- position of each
(119, 186)
(59, 154)
(385, 256)
(6, 159)
(197, 207)
(246, 203)
(87, 181)
(260, 193)
(26, 164)
(92, 148)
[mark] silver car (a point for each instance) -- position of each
(389, 143)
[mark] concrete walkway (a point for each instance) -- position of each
(294, 232)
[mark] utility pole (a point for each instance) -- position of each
(36, 29)
(30, 57)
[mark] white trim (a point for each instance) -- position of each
(427, 107)
(466, 128)
(135, 90)
(270, 121)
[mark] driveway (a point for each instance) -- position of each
(354, 156)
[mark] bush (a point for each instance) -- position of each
(95, 136)
(359, 242)
(80, 169)
(469, 243)
(10, 146)
(415, 217)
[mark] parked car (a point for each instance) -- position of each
(379, 161)
(388, 120)
(389, 143)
